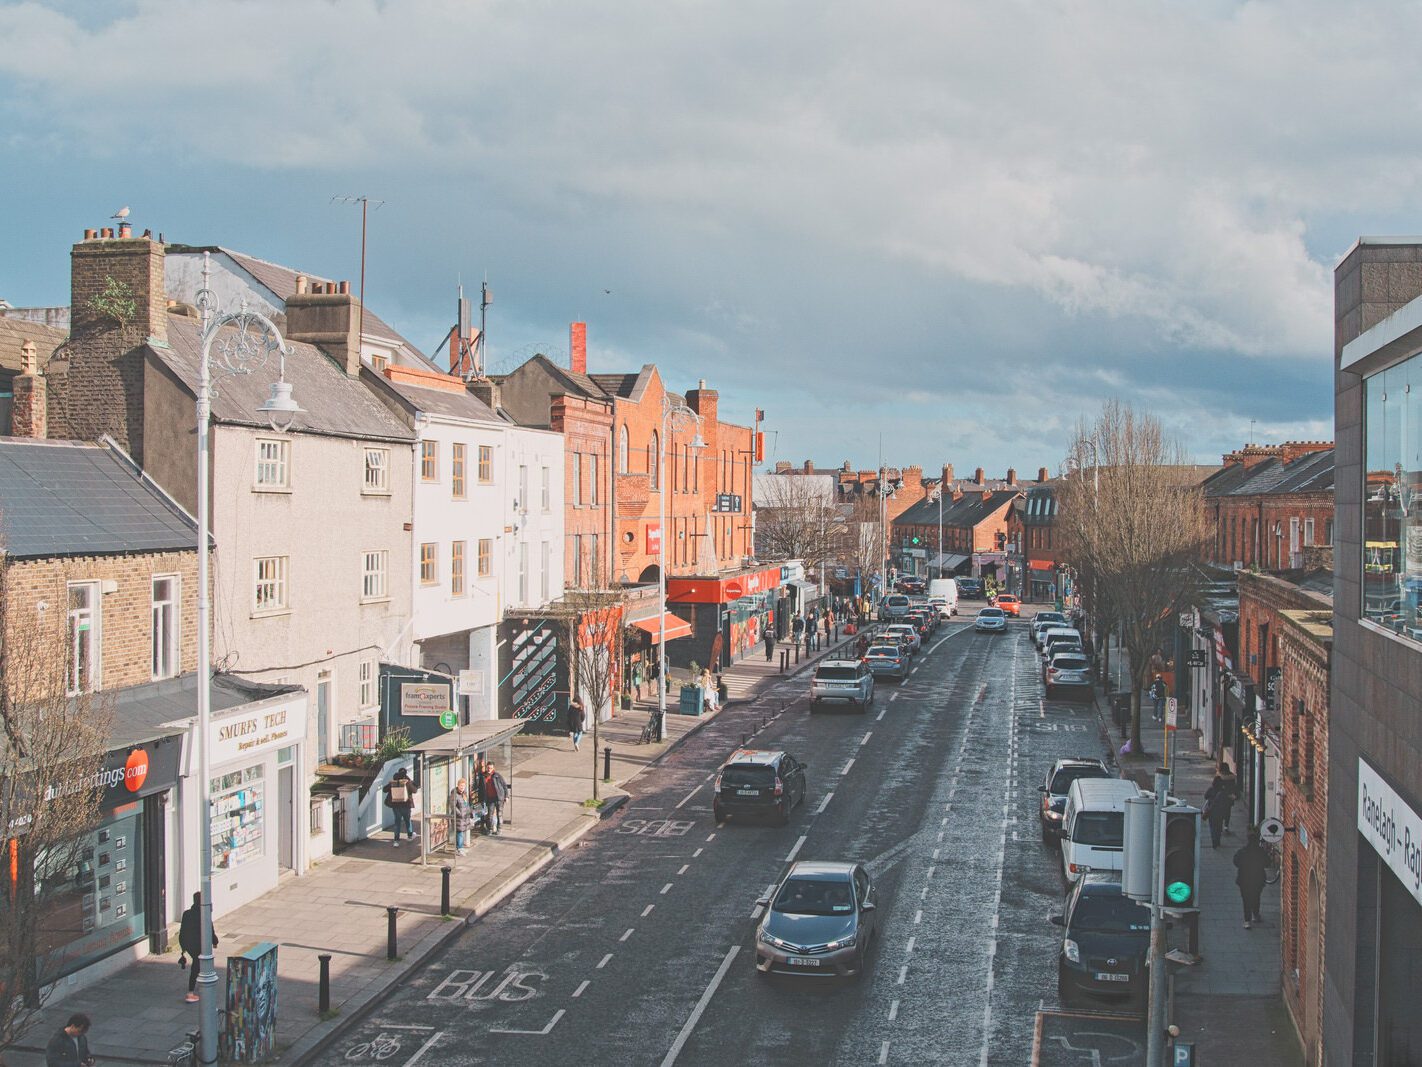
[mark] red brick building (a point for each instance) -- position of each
(972, 523)
(1305, 651)
(1269, 503)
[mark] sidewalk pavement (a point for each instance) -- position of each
(339, 905)
(1230, 1003)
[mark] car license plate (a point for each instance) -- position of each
(1105, 976)
(802, 961)
(747, 792)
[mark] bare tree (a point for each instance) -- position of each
(596, 624)
(52, 758)
(1133, 529)
(798, 517)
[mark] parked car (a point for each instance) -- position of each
(1069, 671)
(904, 629)
(887, 660)
(990, 620)
(842, 679)
(1060, 641)
(1105, 942)
(1008, 602)
(1045, 620)
(1093, 825)
(1054, 789)
(970, 587)
(759, 783)
(820, 921)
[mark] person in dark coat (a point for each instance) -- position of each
(1250, 863)
(577, 722)
(769, 644)
(1219, 799)
(190, 943)
(495, 791)
(70, 1046)
(400, 799)
(461, 814)
(1157, 697)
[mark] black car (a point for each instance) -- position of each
(1060, 775)
(757, 782)
(912, 585)
(971, 588)
(1105, 941)
(920, 621)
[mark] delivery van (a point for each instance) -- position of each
(1093, 825)
(947, 589)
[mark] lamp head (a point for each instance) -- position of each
(697, 441)
(280, 408)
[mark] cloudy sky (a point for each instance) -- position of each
(961, 225)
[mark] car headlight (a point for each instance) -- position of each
(770, 939)
(1055, 816)
(1071, 950)
(844, 942)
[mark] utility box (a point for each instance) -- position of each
(250, 1036)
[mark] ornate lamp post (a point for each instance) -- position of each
(673, 412)
(241, 342)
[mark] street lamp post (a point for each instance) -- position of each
(672, 413)
(242, 341)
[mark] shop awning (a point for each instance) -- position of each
(675, 627)
(948, 561)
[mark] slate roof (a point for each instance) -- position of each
(970, 511)
(1311, 472)
(15, 332)
(336, 404)
(436, 401)
(627, 386)
(69, 498)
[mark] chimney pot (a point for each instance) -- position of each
(89, 235)
(125, 229)
(28, 413)
(344, 289)
(148, 233)
(106, 232)
(701, 383)
(303, 283)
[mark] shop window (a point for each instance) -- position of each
(165, 627)
(456, 471)
(377, 470)
(273, 462)
(84, 638)
(1392, 507)
(238, 818)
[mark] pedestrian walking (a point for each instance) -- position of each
(1250, 862)
(70, 1046)
(496, 791)
(190, 944)
(1231, 785)
(829, 623)
(797, 627)
(1157, 696)
(1214, 809)
(769, 644)
(577, 721)
(400, 799)
(461, 814)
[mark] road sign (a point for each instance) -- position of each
(1172, 712)
(471, 683)
(1271, 831)
(1197, 657)
(449, 720)
(1184, 1054)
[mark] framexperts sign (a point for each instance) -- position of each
(1391, 826)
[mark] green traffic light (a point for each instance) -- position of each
(1178, 892)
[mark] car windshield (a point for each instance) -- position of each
(748, 774)
(897, 601)
(837, 674)
(814, 896)
(887, 651)
(1061, 781)
(1103, 829)
(1108, 913)
(1069, 663)
(991, 613)
(1050, 618)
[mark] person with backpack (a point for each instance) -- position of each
(496, 792)
(400, 799)
(190, 944)
(1219, 798)
(1157, 696)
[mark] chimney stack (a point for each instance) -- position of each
(978, 476)
(704, 402)
(578, 347)
(947, 473)
(1011, 475)
(1041, 474)
(329, 317)
(782, 466)
(28, 415)
(487, 391)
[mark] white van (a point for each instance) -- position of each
(945, 589)
(1093, 825)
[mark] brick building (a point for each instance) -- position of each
(1305, 641)
(1269, 503)
(974, 532)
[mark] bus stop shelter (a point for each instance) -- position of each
(442, 761)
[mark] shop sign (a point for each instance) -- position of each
(728, 502)
(128, 774)
(242, 734)
(1389, 824)
(424, 698)
(654, 539)
(1271, 687)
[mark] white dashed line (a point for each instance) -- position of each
(893, 697)
(666, 889)
(796, 850)
(710, 837)
(688, 796)
(647, 910)
(935, 852)
(603, 962)
(865, 739)
(697, 852)
(684, 868)
(911, 942)
(847, 766)
(825, 802)
(626, 933)
(880, 716)
(893, 1011)
(579, 991)
(884, 1052)
(918, 917)
(931, 870)
(903, 973)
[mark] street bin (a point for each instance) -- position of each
(1121, 709)
(692, 700)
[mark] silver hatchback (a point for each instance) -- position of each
(820, 922)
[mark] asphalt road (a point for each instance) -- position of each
(637, 948)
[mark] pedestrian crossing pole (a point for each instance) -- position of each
(1155, 1024)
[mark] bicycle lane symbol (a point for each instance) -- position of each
(390, 1040)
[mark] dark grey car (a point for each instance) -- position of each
(820, 921)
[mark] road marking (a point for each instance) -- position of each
(538, 1033)
(911, 942)
(710, 837)
(579, 991)
(429, 1044)
(824, 803)
(940, 839)
(688, 796)
(880, 716)
(684, 868)
(666, 889)
(935, 852)
(697, 1011)
(627, 933)
(923, 895)
(884, 1052)
(903, 973)
(647, 910)
(796, 850)
(931, 869)
(865, 740)
(697, 852)
(847, 766)
(603, 962)
(893, 697)
(893, 1011)
(918, 917)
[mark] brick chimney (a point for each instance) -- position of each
(1292, 450)
(117, 302)
(704, 402)
(782, 466)
(947, 473)
(488, 391)
(578, 347)
(28, 415)
(1011, 475)
(1041, 474)
(327, 316)
(978, 476)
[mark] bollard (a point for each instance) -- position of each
(784, 660)
(444, 873)
(607, 763)
(797, 653)
(390, 951)
(323, 1002)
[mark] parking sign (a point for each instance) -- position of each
(1172, 712)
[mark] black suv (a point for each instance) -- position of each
(759, 782)
(970, 588)
(1060, 775)
(1104, 943)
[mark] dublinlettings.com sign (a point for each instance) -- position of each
(1391, 826)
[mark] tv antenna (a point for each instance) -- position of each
(364, 202)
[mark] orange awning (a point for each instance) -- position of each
(675, 627)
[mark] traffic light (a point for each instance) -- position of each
(915, 538)
(1179, 844)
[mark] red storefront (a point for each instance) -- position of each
(728, 615)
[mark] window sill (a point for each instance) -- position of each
(272, 490)
(271, 613)
(376, 492)
(428, 585)
(374, 600)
